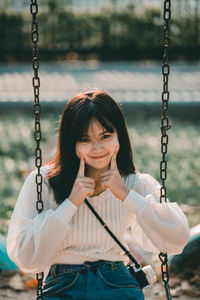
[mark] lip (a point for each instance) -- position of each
(98, 157)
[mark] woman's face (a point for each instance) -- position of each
(98, 146)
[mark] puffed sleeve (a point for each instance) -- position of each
(157, 227)
(34, 239)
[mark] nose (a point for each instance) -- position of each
(97, 146)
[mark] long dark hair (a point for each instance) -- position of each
(74, 122)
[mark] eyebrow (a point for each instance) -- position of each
(106, 131)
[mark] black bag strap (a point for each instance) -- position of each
(137, 265)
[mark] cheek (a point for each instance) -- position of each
(80, 150)
(114, 145)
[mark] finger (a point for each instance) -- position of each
(105, 183)
(104, 178)
(86, 181)
(106, 173)
(89, 179)
(81, 171)
(88, 189)
(83, 180)
(89, 186)
(90, 193)
(113, 163)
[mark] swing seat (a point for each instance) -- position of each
(5, 263)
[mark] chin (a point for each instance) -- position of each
(98, 166)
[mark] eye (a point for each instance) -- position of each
(106, 136)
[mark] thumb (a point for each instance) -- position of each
(113, 162)
(81, 171)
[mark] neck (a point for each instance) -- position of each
(95, 173)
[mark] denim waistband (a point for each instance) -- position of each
(60, 269)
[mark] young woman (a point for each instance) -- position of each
(94, 161)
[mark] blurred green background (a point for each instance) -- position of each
(183, 184)
(106, 30)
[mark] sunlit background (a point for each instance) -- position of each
(114, 45)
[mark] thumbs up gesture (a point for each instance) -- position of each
(83, 186)
(112, 180)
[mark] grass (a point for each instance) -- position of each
(17, 156)
(183, 158)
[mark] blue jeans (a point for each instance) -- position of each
(100, 280)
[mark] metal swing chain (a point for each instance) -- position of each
(164, 127)
(38, 135)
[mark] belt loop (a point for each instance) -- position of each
(53, 271)
(113, 265)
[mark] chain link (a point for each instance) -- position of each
(37, 133)
(164, 127)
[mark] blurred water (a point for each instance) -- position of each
(126, 81)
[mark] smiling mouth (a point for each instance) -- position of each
(98, 157)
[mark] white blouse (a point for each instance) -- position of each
(70, 235)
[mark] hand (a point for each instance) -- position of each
(83, 186)
(112, 179)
